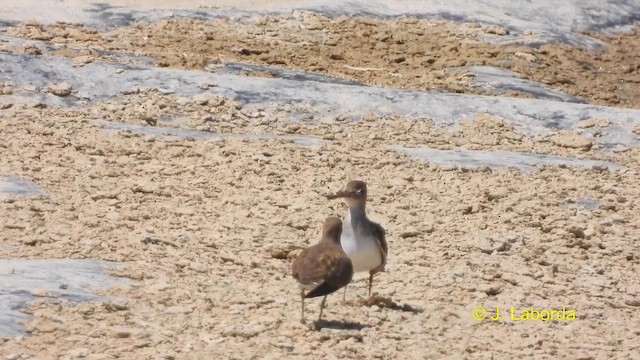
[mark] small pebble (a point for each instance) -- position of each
(62, 89)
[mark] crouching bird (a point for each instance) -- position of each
(323, 268)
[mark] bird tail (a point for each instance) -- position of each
(322, 289)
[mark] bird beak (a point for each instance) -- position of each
(339, 194)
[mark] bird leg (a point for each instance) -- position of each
(322, 307)
(302, 302)
(370, 282)
(344, 295)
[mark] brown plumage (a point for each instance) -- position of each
(323, 268)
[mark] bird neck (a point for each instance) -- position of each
(357, 213)
(332, 235)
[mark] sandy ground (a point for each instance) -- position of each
(208, 228)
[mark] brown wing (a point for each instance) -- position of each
(341, 271)
(340, 276)
(316, 263)
(324, 264)
(381, 237)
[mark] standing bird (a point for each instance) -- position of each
(362, 239)
(323, 268)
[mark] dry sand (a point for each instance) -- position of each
(208, 228)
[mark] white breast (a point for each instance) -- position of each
(363, 250)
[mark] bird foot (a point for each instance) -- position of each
(377, 299)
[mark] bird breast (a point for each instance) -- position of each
(361, 247)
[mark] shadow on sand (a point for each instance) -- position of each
(339, 325)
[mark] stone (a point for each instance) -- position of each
(497, 193)
(62, 89)
(40, 293)
(397, 59)
(202, 98)
(632, 302)
(429, 227)
(571, 140)
(489, 246)
(182, 100)
(409, 233)
(496, 30)
(593, 123)
(79, 353)
(526, 56)
(281, 254)
(123, 332)
(198, 267)
(116, 305)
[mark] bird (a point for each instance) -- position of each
(363, 240)
(323, 268)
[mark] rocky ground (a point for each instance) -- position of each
(207, 228)
(405, 53)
